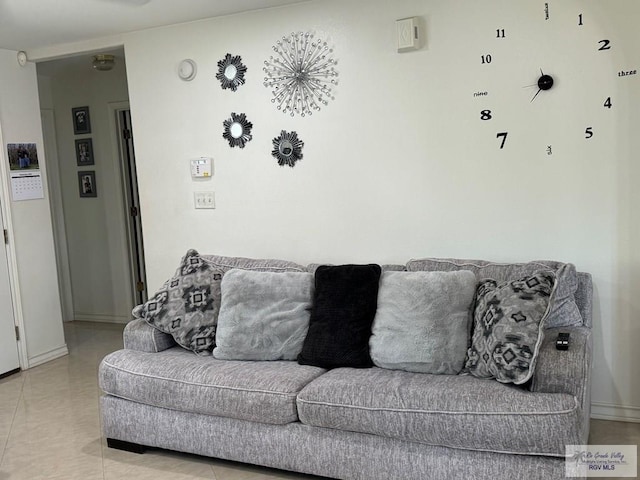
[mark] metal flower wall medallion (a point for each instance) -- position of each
(287, 148)
(237, 130)
(301, 74)
(231, 72)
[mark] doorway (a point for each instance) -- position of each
(99, 249)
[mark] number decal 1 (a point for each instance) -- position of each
(607, 103)
(504, 138)
(606, 45)
(588, 133)
(580, 20)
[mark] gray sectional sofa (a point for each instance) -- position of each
(356, 423)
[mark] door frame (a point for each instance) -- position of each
(12, 261)
(136, 262)
(54, 183)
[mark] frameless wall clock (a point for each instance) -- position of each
(542, 77)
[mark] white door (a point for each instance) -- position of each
(9, 360)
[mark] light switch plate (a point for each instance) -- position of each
(204, 200)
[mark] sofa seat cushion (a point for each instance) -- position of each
(456, 411)
(179, 380)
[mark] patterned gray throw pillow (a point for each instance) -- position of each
(186, 306)
(509, 320)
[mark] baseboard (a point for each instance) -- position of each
(610, 411)
(48, 356)
(97, 317)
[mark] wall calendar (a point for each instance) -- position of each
(26, 179)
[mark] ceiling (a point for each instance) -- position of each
(34, 24)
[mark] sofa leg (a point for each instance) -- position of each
(126, 446)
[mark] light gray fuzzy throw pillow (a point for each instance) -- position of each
(263, 315)
(423, 321)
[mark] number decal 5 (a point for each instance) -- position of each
(588, 133)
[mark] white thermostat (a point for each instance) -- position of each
(408, 31)
(201, 167)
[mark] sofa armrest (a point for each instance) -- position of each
(139, 335)
(567, 371)
(564, 371)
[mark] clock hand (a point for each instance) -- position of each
(534, 97)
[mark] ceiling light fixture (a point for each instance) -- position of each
(103, 62)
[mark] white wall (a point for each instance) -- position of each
(31, 220)
(400, 165)
(95, 227)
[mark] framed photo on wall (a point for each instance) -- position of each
(84, 152)
(81, 122)
(87, 184)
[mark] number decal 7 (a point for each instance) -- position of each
(504, 138)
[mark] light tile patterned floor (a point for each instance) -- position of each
(50, 425)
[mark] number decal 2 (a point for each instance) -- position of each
(605, 45)
(504, 138)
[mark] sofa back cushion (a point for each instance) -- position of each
(344, 306)
(263, 315)
(564, 310)
(423, 321)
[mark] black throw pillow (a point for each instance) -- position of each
(344, 306)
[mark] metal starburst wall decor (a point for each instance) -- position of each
(237, 130)
(287, 148)
(301, 73)
(231, 72)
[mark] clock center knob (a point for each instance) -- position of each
(545, 82)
